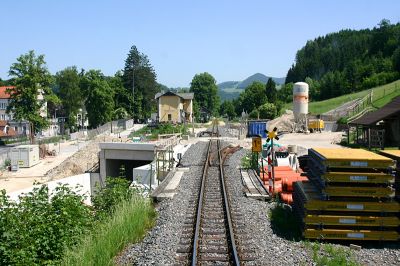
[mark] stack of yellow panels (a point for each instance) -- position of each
(350, 196)
(395, 155)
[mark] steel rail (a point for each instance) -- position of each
(235, 256)
(199, 208)
(231, 240)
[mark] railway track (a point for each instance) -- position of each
(208, 236)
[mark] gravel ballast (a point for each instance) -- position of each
(160, 244)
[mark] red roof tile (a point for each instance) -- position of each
(3, 92)
(10, 132)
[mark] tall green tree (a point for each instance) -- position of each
(68, 84)
(270, 91)
(139, 74)
(99, 96)
(205, 90)
(253, 97)
(122, 99)
(396, 59)
(285, 94)
(32, 81)
(227, 108)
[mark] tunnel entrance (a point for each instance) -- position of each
(129, 155)
(114, 167)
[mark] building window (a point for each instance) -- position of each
(16, 129)
(169, 117)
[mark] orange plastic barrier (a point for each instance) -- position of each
(283, 168)
(286, 197)
(287, 183)
(277, 187)
(264, 176)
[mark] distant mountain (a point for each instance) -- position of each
(228, 84)
(231, 89)
(260, 78)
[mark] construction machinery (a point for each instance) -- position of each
(316, 125)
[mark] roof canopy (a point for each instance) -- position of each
(185, 96)
(369, 119)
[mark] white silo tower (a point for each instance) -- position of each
(300, 104)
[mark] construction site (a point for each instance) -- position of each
(298, 162)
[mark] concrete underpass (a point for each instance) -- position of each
(129, 155)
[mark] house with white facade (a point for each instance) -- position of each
(4, 100)
(22, 127)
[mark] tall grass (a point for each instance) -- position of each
(331, 255)
(127, 225)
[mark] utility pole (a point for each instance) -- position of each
(133, 88)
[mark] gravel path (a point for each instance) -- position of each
(160, 244)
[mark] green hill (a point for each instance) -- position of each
(349, 61)
(381, 96)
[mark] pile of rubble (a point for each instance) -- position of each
(284, 123)
(81, 161)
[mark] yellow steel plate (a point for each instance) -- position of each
(353, 158)
(391, 153)
(348, 177)
(351, 234)
(376, 192)
(352, 206)
(344, 220)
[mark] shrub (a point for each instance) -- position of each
(107, 198)
(284, 222)
(254, 114)
(267, 111)
(38, 228)
(342, 121)
(41, 227)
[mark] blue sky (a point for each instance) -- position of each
(229, 39)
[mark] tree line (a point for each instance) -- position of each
(348, 61)
(258, 100)
(70, 91)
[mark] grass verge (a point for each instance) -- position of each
(331, 255)
(381, 96)
(128, 224)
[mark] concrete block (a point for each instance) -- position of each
(355, 247)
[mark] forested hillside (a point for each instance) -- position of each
(348, 61)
